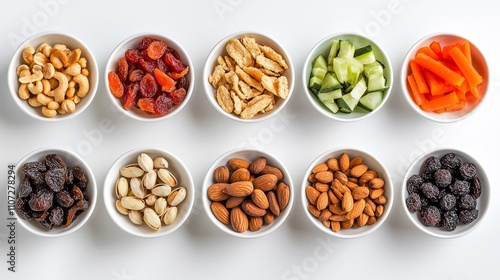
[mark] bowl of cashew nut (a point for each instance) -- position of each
(53, 76)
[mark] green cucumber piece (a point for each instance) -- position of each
(376, 82)
(371, 100)
(315, 84)
(346, 49)
(365, 55)
(334, 49)
(319, 62)
(328, 99)
(347, 103)
(330, 83)
(360, 89)
(318, 73)
(340, 67)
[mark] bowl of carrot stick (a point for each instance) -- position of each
(445, 77)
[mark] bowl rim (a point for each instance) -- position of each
(209, 66)
(208, 181)
(118, 53)
(485, 199)
(306, 74)
(81, 219)
(108, 184)
(404, 73)
(13, 64)
(381, 171)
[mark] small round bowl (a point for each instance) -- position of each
(482, 203)
(131, 43)
(52, 38)
(478, 61)
(249, 155)
(373, 164)
(323, 47)
(71, 159)
(176, 167)
(220, 50)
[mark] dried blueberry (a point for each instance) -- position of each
(430, 165)
(448, 202)
(459, 187)
(450, 220)
(467, 202)
(468, 216)
(413, 202)
(476, 188)
(429, 190)
(431, 216)
(467, 171)
(413, 183)
(451, 161)
(442, 178)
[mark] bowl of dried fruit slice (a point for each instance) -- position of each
(248, 77)
(149, 77)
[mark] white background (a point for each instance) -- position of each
(198, 135)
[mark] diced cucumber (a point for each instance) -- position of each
(359, 90)
(376, 82)
(365, 55)
(373, 68)
(328, 99)
(319, 72)
(319, 62)
(340, 67)
(330, 83)
(334, 49)
(346, 49)
(315, 84)
(371, 100)
(354, 71)
(347, 103)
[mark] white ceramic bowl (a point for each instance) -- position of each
(373, 164)
(71, 159)
(323, 47)
(248, 155)
(220, 50)
(482, 203)
(479, 62)
(52, 38)
(131, 43)
(176, 167)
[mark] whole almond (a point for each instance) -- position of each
(323, 201)
(269, 217)
(321, 187)
(360, 192)
(313, 210)
(355, 162)
(240, 174)
(341, 177)
(324, 176)
(353, 180)
(344, 162)
(365, 178)
(358, 170)
(273, 203)
(283, 195)
(376, 183)
(312, 178)
(379, 210)
(347, 224)
(380, 200)
(265, 182)
(234, 201)
(237, 163)
(336, 209)
(272, 170)
(375, 193)
(337, 185)
(259, 198)
(371, 220)
(357, 209)
(362, 219)
(220, 212)
(338, 194)
(333, 164)
(221, 174)
(257, 165)
(338, 218)
(312, 194)
(251, 209)
(326, 223)
(347, 202)
(239, 220)
(216, 192)
(255, 223)
(325, 215)
(335, 226)
(319, 168)
(368, 210)
(371, 203)
(332, 197)
(239, 189)
(351, 185)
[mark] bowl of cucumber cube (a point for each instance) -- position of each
(347, 77)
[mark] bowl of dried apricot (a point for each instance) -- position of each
(445, 77)
(347, 193)
(248, 77)
(446, 193)
(53, 76)
(56, 192)
(149, 77)
(247, 193)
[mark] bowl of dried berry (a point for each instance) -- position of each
(347, 193)
(247, 193)
(446, 193)
(248, 77)
(149, 77)
(53, 76)
(148, 192)
(56, 192)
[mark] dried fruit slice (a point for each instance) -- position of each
(163, 79)
(156, 49)
(147, 104)
(115, 85)
(178, 75)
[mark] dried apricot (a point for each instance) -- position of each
(178, 75)
(147, 104)
(156, 49)
(163, 79)
(115, 85)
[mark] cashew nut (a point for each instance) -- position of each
(61, 111)
(36, 67)
(35, 88)
(44, 99)
(85, 72)
(83, 62)
(23, 92)
(83, 85)
(34, 102)
(68, 106)
(47, 50)
(49, 113)
(46, 86)
(28, 54)
(24, 73)
(58, 58)
(60, 47)
(53, 105)
(70, 92)
(40, 59)
(21, 68)
(48, 70)
(74, 69)
(60, 90)
(36, 76)
(53, 83)
(74, 56)
(40, 48)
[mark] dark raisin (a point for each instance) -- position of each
(46, 224)
(468, 216)
(22, 209)
(40, 216)
(467, 202)
(431, 216)
(429, 190)
(448, 202)
(450, 220)
(25, 188)
(72, 212)
(41, 201)
(76, 193)
(413, 202)
(34, 166)
(64, 199)
(68, 178)
(451, 161)
(53, 161)
(79, 174)
(430, 165)
(442, 178)
(183, 82)
(459, 187)
(467, 171)
(475, 188)
(413, 183)
(56, 216)
(55, 179)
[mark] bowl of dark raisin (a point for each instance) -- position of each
(446, 193)
(55, 192)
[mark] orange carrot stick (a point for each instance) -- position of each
(439, 69)
(436, 47)
(419, 78)
(437, 85)
(472, 76)
(441, 102)
(467, 52)
(418, 97)
(428, 51)
(455, 107)
(474, 92)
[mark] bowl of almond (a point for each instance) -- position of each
(248, 77)
(247, 193)
(347, 193)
